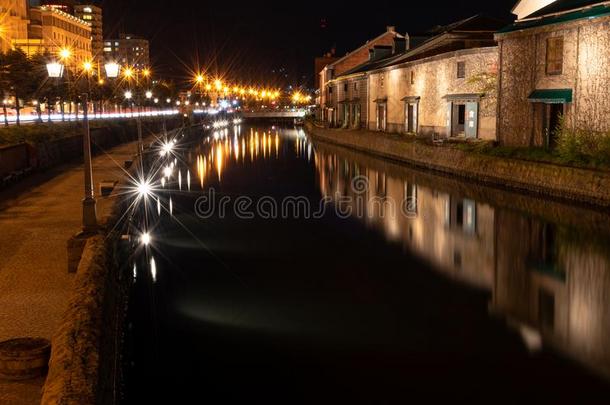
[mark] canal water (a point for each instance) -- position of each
(289, 271)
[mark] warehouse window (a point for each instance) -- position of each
(554, 56)
(461, 70)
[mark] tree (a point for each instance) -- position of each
(18, 77)
(46, 91)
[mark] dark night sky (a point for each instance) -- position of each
(250, 40)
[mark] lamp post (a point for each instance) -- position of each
(129, 97)
(112, 72)
(89, 203)
(56, 70)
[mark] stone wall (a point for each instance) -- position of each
(75, 360)
(582, 185)
(356, 90)
(13, 158)
(586, 70)
(434, 78)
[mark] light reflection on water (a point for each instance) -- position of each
(544, 266)
(550, 281)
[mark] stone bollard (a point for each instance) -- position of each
(24, 358)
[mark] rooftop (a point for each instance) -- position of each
(561, 12)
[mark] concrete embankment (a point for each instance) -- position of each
(567, 183)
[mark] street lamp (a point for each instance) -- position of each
(128, 73)
(56, 70)
(65, 53)
(112, 70)
(87, 67)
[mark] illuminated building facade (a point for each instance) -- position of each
(554, 64)
(329, 101)
(441, 86)
(67, 6)
(52, 30)
(128, 50)
(13, 22)
(93, 15)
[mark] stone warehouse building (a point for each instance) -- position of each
(554, 62)
(445, 87)
(329, 100)
(351, 88)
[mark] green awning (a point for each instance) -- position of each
(551, 96)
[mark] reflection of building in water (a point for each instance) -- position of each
(454, 234)
(556, 284)
(552, 286)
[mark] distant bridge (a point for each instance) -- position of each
(274, 114)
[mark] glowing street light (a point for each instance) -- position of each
(112, 70)
(87, 67)
(145, 238)
(55, 70)
(128, 73)
(128, 95)
(199, 79)
(218, 84)
(146, 72)
(65, 53)
(149, 94)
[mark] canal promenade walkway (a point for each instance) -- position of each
(37, 218)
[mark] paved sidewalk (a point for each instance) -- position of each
(37, 217)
